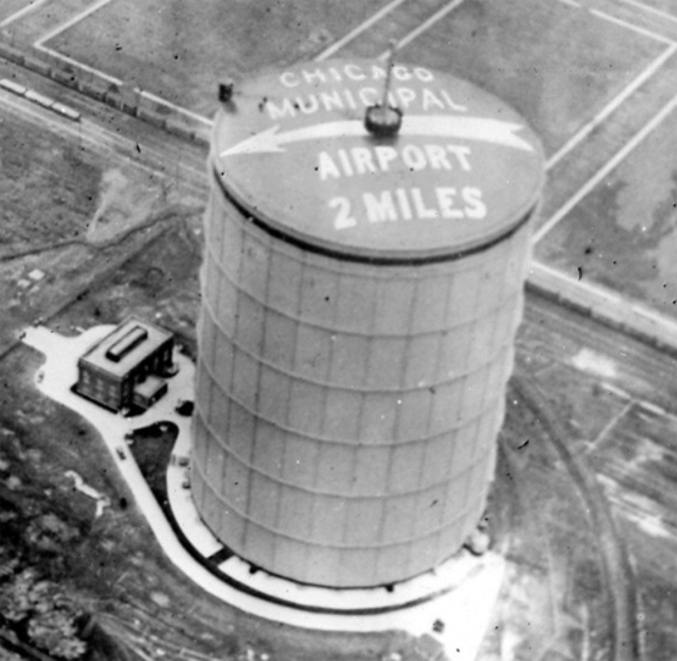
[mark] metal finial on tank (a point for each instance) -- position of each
(226, 91)
(384, 120)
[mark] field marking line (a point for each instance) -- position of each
(605, 169)
(98, 137)
(614, 390)
(39, 44)
(116, 81)
(614, 104)
(337, 45)
(651, 10)
(598, 291)
(80, 65)
(572, 3)
(610, 425)
(158, 99)
(633, 310)
(653, 408)
(441, 13)
(30, 7)
(619, 21)
(71, 22)
(200, 118)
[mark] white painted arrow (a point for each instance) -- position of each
(439, 126)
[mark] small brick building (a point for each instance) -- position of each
(126, 368)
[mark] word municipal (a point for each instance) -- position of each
(318, 91)
(407, 98)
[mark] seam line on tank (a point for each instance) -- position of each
(249, 519)
(415, 277)
(493, 358)
(318, 437)
(505, 303)
(209, 428)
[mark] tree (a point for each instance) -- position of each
(15, 596)
(7, 655)
(55, 632)
(46, 614)
(8, 565)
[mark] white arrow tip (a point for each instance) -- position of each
(264, 142)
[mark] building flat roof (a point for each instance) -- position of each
(125, 347)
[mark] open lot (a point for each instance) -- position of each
(181, 50)
(525, 54)
(636, 463)
(57, 177)
(522, 52)
(68, 216)
(623, 234)
(615, 414)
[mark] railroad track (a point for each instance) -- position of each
(634, 359)
(186, 172)
(621, 590)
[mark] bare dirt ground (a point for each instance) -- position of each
(69, 214)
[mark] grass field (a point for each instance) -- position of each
(526, 53)
(51, 174)
(50, 190)
(666, 6)
(11, 7)
(556, 82)
(181, 50)
(623, 233)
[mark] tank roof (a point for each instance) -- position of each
(292, 150)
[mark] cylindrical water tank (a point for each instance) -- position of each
(360, 299)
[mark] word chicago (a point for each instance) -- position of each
(350, 97)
